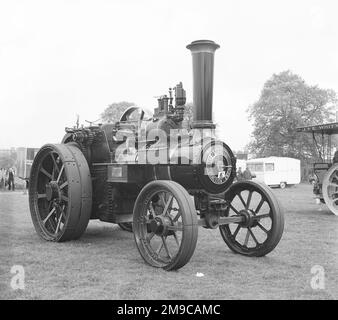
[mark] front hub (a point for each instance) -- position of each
(248, 218)
(159, 225)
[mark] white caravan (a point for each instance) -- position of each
(276, 171)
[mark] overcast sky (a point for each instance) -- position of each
(62, 58)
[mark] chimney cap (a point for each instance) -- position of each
(203, 46)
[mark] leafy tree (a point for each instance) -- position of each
(115, 110)
(287, 102)
(8, 159)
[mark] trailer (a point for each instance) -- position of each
(276, 171)
(25, 157)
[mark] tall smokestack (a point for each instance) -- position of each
(203, 52)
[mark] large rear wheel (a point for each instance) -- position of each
(165, 225)
(60, 192)
(330, 189)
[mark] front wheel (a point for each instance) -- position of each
(165, 225)
(262, 219)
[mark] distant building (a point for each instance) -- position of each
(25, 157)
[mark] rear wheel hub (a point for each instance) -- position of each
(52, 191)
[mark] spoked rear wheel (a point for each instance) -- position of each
(60, 192)
(165, 225)
(263, 220)
(330, 189)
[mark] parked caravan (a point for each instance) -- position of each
(276, 171)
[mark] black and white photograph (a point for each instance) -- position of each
(168, 151)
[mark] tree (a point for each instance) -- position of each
(115, 110)
(287, 102)
(8, 159)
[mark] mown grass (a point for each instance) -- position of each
(105, 263)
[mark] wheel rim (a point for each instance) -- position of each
(165, 232)
(262, 224)
(52, 194)
(330, 189)
(60, 193)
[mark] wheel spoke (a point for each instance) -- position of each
(259, 225)
(46, 173)
(150, 236)
(236, 231)
(41, 195)
(58, 225)
(177, 216)
(253, 236)
(159, 248)
(259, 205)
(243, 202)
(233, 208)
(64, 198)
(161, 195)
(49, 215)
(65, 184)
(168, 204)
(63, 212)
(152, 210)
(245, 244)
(249, 200)
(175, 236)
(55, 164)
(166, 247)
(60, 173)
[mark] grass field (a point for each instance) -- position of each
(105, 263)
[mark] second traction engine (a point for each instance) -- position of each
(159, 176)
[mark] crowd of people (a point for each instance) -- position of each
(7, 179)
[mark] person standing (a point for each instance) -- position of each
(239, 174)
(2, 178)
(247, 174)
(11, 184)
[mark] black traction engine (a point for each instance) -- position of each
(160, 177)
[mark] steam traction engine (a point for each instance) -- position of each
(153, 175)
